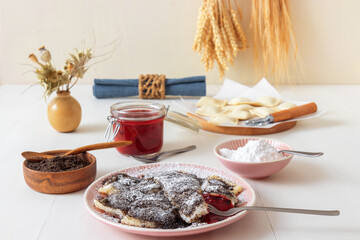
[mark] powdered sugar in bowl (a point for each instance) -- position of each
(253, 158)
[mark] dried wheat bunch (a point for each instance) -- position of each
(219, 35)
(273, 37)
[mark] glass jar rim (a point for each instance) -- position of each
(137, 110)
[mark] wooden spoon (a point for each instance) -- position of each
(37, 156)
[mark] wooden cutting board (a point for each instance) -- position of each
(242, 130)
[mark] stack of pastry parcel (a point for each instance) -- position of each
(240, 108)
(166, 199)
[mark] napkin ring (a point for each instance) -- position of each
(152, 86)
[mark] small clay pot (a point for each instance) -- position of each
(61, 182)
(64, 112)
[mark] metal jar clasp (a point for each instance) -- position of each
(110, 131)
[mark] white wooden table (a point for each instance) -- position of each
(329, 182)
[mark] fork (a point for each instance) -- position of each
(235, 210)
(157, 157)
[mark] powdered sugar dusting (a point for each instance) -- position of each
(110, 218)
(151, 170)
(247, 196)
(199, 171)
(197, 224)
(254, 151)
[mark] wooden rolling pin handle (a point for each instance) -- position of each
(98, 146)
(294, 112)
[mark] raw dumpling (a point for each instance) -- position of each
(218, 120)
(242, 107)
(210, 101)
(267, 101)
(239, 114)
(262, 111)
(209, 111)
(285, 105)
(239, 100)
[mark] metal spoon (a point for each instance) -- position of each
(157, 157)
(304, 154)
(38, 156)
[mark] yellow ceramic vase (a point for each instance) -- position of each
(64, 112)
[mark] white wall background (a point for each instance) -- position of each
(156, 37)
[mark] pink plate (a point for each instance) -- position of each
(247, 196)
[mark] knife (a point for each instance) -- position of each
(284, 115)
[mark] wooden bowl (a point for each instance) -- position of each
(61, 182)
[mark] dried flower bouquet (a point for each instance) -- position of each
(56, 80)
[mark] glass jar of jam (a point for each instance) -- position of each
(140, 122)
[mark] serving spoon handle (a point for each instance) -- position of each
(98, 146)
(34, 156)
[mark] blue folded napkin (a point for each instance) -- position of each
(113, 88)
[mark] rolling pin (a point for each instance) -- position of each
(284, 115)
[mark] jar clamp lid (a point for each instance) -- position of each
(144, 111)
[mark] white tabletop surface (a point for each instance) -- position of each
(329, 182)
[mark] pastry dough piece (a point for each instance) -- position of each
(216, 186)
(131, 221)
(108, 189)
(108, 209)
(220, 119)
(267, 101)
(239, 114)
(210, 101)
(239, 100)
(118, 183)
(152, 210)
(242, 107)
(262, 111)
(234, 188)
(285, 105)
(209, 111)
(183, 191)
(191, 212)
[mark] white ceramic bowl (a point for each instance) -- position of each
(253, 170)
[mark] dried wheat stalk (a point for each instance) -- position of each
(219, 35)
(273, 36)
